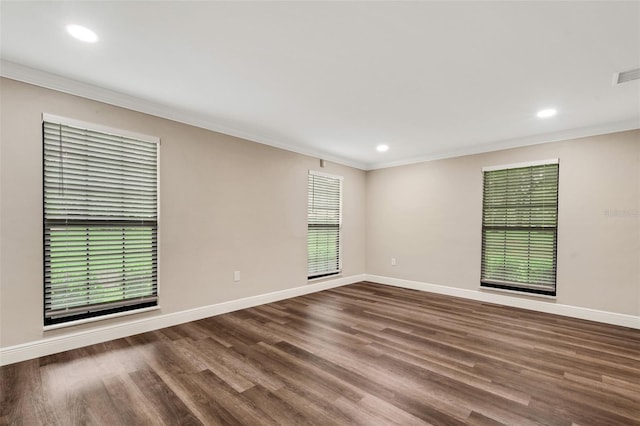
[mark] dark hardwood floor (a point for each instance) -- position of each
(361, 354)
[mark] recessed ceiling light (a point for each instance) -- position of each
(82, 33)
(382, 148)
(546, 113)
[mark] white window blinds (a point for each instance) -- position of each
(324, 224)
(519, 228)
(100, 222)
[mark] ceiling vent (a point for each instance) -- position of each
(623, 77)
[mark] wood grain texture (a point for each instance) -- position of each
(360, 354)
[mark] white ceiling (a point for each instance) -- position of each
(335, 79)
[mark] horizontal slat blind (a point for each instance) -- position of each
(100, 222)
(519, 228)
(324, 224)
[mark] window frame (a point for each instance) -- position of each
(340, 179)
(102, 311)
(528, 288)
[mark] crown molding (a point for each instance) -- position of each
(59, 83)
(620, 126)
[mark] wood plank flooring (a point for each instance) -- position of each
(361, 354)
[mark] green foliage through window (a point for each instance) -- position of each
(100, 222)
(324, 218)
(519, 228)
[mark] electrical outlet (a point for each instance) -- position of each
(236, 276)
(393, 261)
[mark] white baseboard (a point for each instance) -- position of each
(547, 306)
(48, 346)
(73, 340)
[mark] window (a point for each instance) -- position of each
(100, 221)
(324, 225)
(519, 227)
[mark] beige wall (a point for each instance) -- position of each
(226, 204)
(428, 216)
(229, 204)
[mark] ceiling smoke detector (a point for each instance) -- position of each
(625, 76)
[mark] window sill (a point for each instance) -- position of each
(100, 318)
(518, 293)
(327, 277)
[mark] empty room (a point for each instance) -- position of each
(319, 212)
